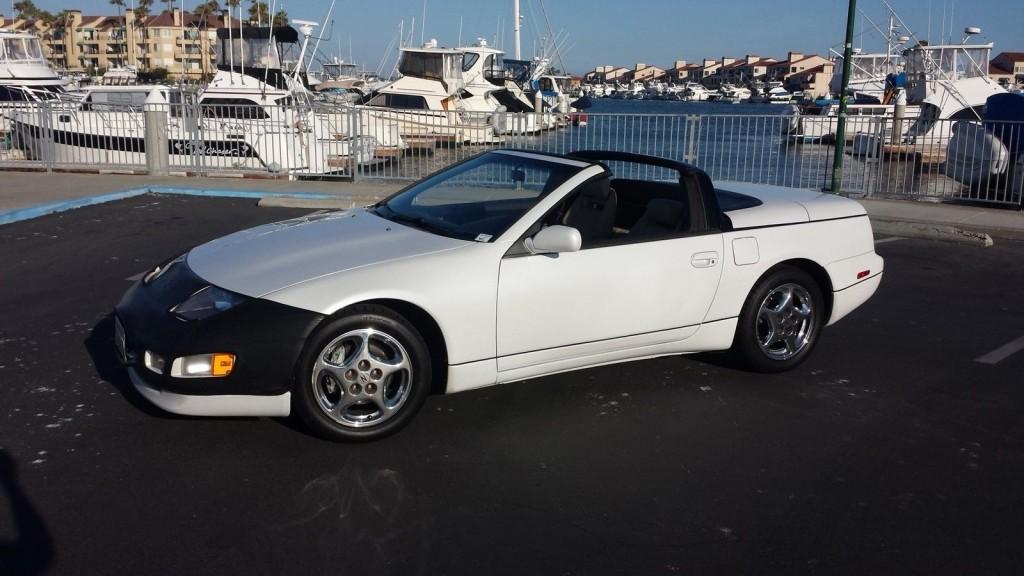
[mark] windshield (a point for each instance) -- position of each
(478, 199)
(15, 49)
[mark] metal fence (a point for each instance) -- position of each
(912, 158)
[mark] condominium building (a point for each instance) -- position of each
(809, 74)
(1008, 69)
(682, 72)
(181, 43)
(743, 71)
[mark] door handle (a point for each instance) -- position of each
(704, 259)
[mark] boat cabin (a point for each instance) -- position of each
(250, 50)
(25, 75)
(928, 66)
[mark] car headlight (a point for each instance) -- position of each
(207, 302)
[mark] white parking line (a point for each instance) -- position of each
(1003, 352)
(889, 239)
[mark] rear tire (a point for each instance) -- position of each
(780, 322)
(362, 376)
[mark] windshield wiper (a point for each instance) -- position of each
(415, 221)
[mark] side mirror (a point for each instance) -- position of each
(555, 239)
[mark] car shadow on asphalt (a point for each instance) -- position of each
(31, 550)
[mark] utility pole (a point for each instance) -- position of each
(837, 160)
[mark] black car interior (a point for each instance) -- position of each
(618, 210)
(611, 210)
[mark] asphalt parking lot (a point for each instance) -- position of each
(893, 450)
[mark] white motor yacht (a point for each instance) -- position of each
(695, 92)
(26, 77)
(424, 102)
(733, 94)
(247, 118)
(945, 83)
(488, 89)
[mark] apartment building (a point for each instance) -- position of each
(682, 72)
(1008, 69)
(609, 74)
(809, 74)
(799, 72)
(181, 43)
(743, 71)
(645, 73)
(711, 72)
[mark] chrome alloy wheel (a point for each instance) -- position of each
(785, 321)
(362, 378)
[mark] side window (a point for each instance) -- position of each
(232, 108)
(468, 59)
(403, 101)
(11, 95)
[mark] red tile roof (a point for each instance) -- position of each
(815, 70)
(797, 61)
(1012, 56)
(996, 69)
(685, 67)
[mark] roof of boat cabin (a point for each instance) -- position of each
(430, 50)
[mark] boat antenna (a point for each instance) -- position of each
(558, 53)
(460, 30)
(942, 36)
(231, 43)
(241, 38)
(929, 19)
(423, 22)
(270, 46)
(316, 47)
(952, 7)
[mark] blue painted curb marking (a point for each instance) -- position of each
(20, 214)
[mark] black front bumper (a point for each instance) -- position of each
(265, 337)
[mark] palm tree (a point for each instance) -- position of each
(142, 11)
(280, 19)
(141, 16)
(119, 4)
(26, 9)
(259, 13)
(204, 10)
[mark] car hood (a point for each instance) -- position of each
(261, 260)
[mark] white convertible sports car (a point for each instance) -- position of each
(510, 265)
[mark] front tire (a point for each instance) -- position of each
(780, 322)
(363, 375)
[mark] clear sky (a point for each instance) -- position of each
(624, 32)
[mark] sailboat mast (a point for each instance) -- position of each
(241, 37)
(515, 26)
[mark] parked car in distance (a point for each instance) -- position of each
(507, 266)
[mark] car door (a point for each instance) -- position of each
(559, 311)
